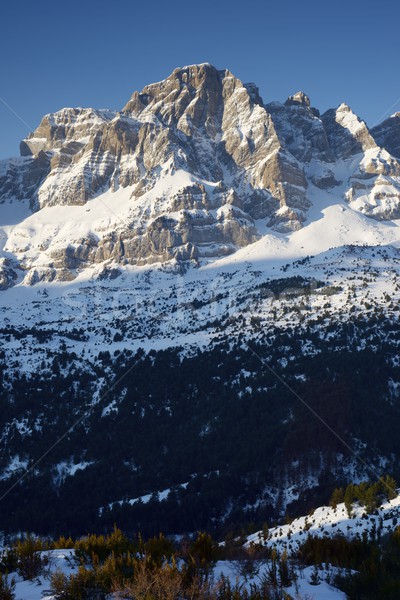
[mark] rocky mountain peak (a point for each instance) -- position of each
(68, 125)
(347, 134)
(194, 160)
(185, 84)
(254, 93)
(387, 134)
(343, 108)
(198, 74)
(300, 98)
(301, 130)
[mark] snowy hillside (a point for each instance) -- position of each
(327, 522)
(163, 269)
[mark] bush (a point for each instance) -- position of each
(159, 549)
(78, 586)
(8, 560)
(115, 570)
(160, 583)
(63, 543)
(29, 560)
(247, 562)
(100, 547)
(200, 557)
(7, 587)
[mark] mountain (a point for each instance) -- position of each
(200, 308)
(186, 170)
(387, 134)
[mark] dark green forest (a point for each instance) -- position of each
(217, 428)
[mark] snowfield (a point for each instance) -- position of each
(326, 521)
(159, 304)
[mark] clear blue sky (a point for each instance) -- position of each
(87, 53)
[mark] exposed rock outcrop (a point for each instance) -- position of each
(387, 134)
(347, 134)
(184, 171)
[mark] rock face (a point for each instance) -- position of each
(301, 129)
(184, 171)
(300, 98)
(7, 275)
(387, 134)
(20, 178)
(347, 134)
(69, 129)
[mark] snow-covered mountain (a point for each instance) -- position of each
(195, 166)
(145, 254)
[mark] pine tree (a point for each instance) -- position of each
(389, 486)
(349, 498)
(371, 499)
(284, 571)
(272, 571)
(337, 497)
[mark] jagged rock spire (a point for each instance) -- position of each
(300, 98)
(201, 158)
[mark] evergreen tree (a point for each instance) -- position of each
(389, 487)
(337, 497)
(349, 498)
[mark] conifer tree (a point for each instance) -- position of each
(337, 497)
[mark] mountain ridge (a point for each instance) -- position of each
(206, 165)
(145, 255)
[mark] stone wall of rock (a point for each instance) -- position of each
(248, 161)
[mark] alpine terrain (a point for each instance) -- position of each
(199, 310)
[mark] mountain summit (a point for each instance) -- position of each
(176, 276)
(194, 166)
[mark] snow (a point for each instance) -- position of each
(327, 521)
(322, 591)
(158, 304)
(196, 65)
(38, 589)
(145, 499)
(67, 468)
(12, 213)
(16, 464)
(162, 306)
(331, 222)
(63, 560)
(349, 120)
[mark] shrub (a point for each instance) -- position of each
(159, 583)
(100, 547)
(63, 543)
(78, 586)
(8, 560)
(7, 587)
(247, 562)
(200, 557)
(30, 561)
(159, 549)
(115, 570)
